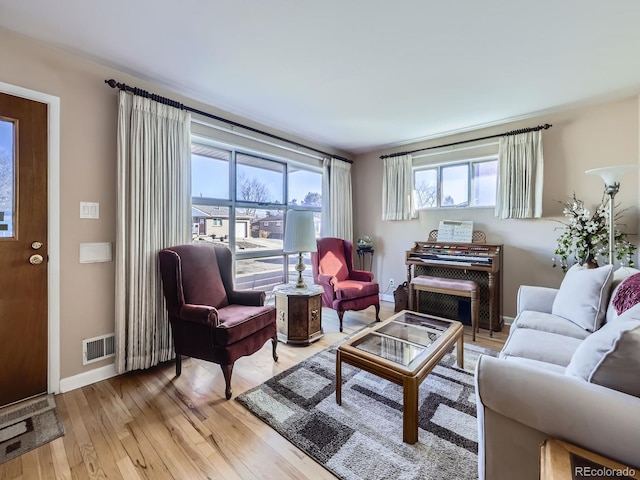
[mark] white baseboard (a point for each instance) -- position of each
(387, 298)
(87, 378)
(507, 320)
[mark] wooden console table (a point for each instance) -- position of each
(563, 461)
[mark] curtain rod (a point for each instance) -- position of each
(167, 101)
(506, 134)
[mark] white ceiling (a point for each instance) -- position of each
(358, 75)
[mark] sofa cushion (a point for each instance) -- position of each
(542, 346)
(611, 356)
(548, 323)
(584, 295)
(619, 276)
(549, 367)
(627, 294)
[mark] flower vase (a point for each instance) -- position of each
(590, 262)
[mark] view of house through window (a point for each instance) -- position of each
(241, 200)
(470, 183)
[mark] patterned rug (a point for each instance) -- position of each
(362, 439)
(28, 426)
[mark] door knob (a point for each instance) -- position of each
(36, 245)
(35, 259)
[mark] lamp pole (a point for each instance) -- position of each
(611, 190)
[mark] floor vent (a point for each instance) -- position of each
(98, 348)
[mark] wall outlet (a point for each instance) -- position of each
(392, 282)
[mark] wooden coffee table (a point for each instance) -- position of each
(403, 349)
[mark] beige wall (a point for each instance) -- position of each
(87, 173)
(580, 139)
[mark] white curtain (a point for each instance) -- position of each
(520, 176)
(340, 200)
(153, 212)
(325, 213)
(397, 189)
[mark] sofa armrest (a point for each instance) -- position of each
(199, 314)
(254, 298)
(538, 299)
(596, 418)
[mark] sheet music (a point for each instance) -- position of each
(455, 231)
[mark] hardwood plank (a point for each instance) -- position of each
(60, 460)
(153, 425)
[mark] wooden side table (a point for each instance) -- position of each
(299, 314)
(563, 461)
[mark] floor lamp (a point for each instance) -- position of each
(611, 177)
(299, 237)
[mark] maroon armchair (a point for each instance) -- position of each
(344, 288)
(209, 319)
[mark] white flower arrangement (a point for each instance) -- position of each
(586, 236)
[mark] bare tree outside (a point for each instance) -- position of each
(6, 180)
(426, 194)
(252, 190)
(312, 199)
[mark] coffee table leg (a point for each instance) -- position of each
(338, 378)
(410, 411)
(460, 350)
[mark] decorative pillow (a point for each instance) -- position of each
(611, 356)
(583, 296)
(627, 295)
(619, 276)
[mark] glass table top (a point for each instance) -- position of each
(403, 339)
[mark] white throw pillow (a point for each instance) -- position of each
(611, 356)
(583, 296)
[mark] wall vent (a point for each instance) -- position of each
(98, 348)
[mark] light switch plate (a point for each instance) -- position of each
(89, 210)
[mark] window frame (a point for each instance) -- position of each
(471, 180)
(233, 204)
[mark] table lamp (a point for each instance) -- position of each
(611, 177)
(299, 237)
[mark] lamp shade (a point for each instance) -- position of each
(299, 232)
(612, 175)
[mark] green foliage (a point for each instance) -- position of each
(585, 238)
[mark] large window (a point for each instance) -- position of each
(240, 199)
(470, 183)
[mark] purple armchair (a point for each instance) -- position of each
(209, 319)
(344, 287)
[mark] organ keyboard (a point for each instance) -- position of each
(479, 262)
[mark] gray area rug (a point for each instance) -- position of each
(362, 439)
(27, 426)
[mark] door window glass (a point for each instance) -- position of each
(7, 178)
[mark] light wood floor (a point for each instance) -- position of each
(152, 425)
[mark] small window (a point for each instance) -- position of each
(455, 186)
(461, 184)
(216, 222)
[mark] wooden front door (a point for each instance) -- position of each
(23, 249)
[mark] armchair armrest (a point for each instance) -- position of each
(199, 314)
(591, 416)
(328, 280)
(538, 299)
(361, 276)
(254, 298)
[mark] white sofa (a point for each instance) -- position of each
(550, 382)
